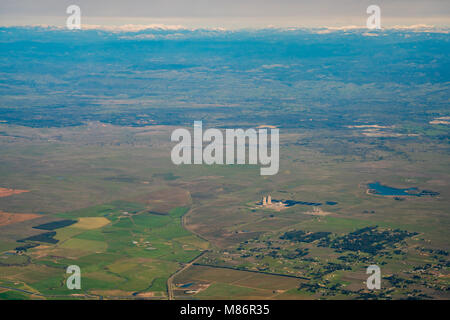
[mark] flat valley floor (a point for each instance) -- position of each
(108, 199)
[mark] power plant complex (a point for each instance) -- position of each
(267, 200)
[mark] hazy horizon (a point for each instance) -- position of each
(230, 14)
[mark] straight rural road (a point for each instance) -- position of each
(170, 280)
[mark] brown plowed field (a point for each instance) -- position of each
(6, 192)
(10, 218)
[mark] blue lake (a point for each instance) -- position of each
(378, 188)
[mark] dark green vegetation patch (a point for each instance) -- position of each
(370, 240)
(43, 237)
(169, 176)
(27, 246)
(55, 225)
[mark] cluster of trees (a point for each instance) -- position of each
(398, 282)
(302, 236)
(295, 254)
(369, 239)
(352, 258)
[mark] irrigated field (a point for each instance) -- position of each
(122, 249)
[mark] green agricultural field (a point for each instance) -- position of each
(133, 253)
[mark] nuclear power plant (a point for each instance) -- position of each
(266, 203)
(266, 200)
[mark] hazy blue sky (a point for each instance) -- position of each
(226, 13)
